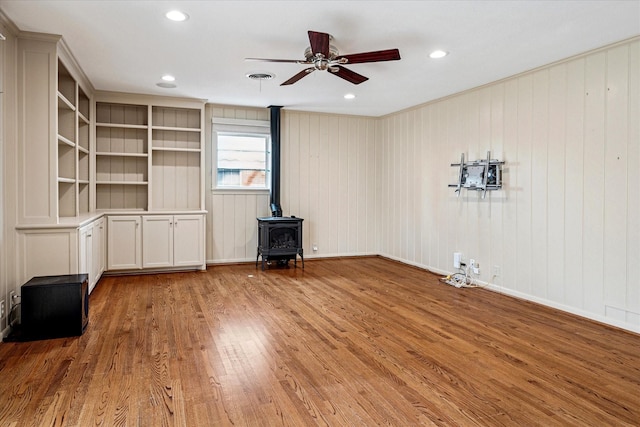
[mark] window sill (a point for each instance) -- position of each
(246, 191)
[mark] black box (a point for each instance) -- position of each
(55, 306)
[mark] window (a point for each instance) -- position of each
(242, 154)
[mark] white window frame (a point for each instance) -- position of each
(239, 127)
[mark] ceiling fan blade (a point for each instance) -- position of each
(298, 76)
(319, 43)
(291, 61)
(376, 56)
(349, 75)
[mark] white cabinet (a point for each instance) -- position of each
(92, 251)
(173, 241)
(124, 242)
(99, 251)
(188, 240)
(163, 241)
(85, 263)
(157, 241)
(64, 249)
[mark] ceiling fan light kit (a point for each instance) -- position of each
(323, 56)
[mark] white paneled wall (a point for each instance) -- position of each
(565, 230)
(231, 217)
(328, 178)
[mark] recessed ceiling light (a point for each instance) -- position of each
(438, 54)
(168, 78)
(176, 15)
(349, 96)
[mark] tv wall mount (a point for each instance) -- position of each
(480, 175)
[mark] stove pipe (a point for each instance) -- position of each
(276, 209)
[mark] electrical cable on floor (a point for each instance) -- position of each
(461, 280)
(13, 316)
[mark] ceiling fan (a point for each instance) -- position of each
(323, 56)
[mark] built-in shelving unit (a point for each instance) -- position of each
(176, 155)
(148, 157)
(122, 151)
(73, 134)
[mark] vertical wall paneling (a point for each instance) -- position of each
(418, 194)
(511, 185)
(304, 176)
(333, 198)
(482, 131)
(539, 183)
(594, 152)
(633, 188)
(615, 181)
(574, 189)
(497, 198)
(524, 191)
(555, 169)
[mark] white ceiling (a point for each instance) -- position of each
(128, 45)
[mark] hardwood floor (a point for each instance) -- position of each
(344, 342)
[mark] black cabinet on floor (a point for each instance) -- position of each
(55, 306)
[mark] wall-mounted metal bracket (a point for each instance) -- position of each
(479, 175)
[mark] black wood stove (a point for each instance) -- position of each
(280, 240)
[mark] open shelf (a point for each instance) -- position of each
(176, 118)
(84, 104)
(118, 196)
(66, 199)
(83, 197)
(121, 114)
(121, 140)
(66, 161)
(175, 139)
(66, 86)
(121, 169)
(67, 123)
(176, 179)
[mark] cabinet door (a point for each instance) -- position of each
(98, 254)
(124, 242)
(86, 252)
(157, 235)
(188, 240)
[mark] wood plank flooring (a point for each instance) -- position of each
(344, 342)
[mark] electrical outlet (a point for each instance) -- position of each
(457, 259)
(472, 263)
(476, 267)
(496, 270)
(2, 309)
(315, 247)
(12, 299)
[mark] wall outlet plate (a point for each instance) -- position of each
(2, 306)
(457, 259)
(12, 299)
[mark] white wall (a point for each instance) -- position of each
(231, 217)
(328, 178)
(565, 230)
